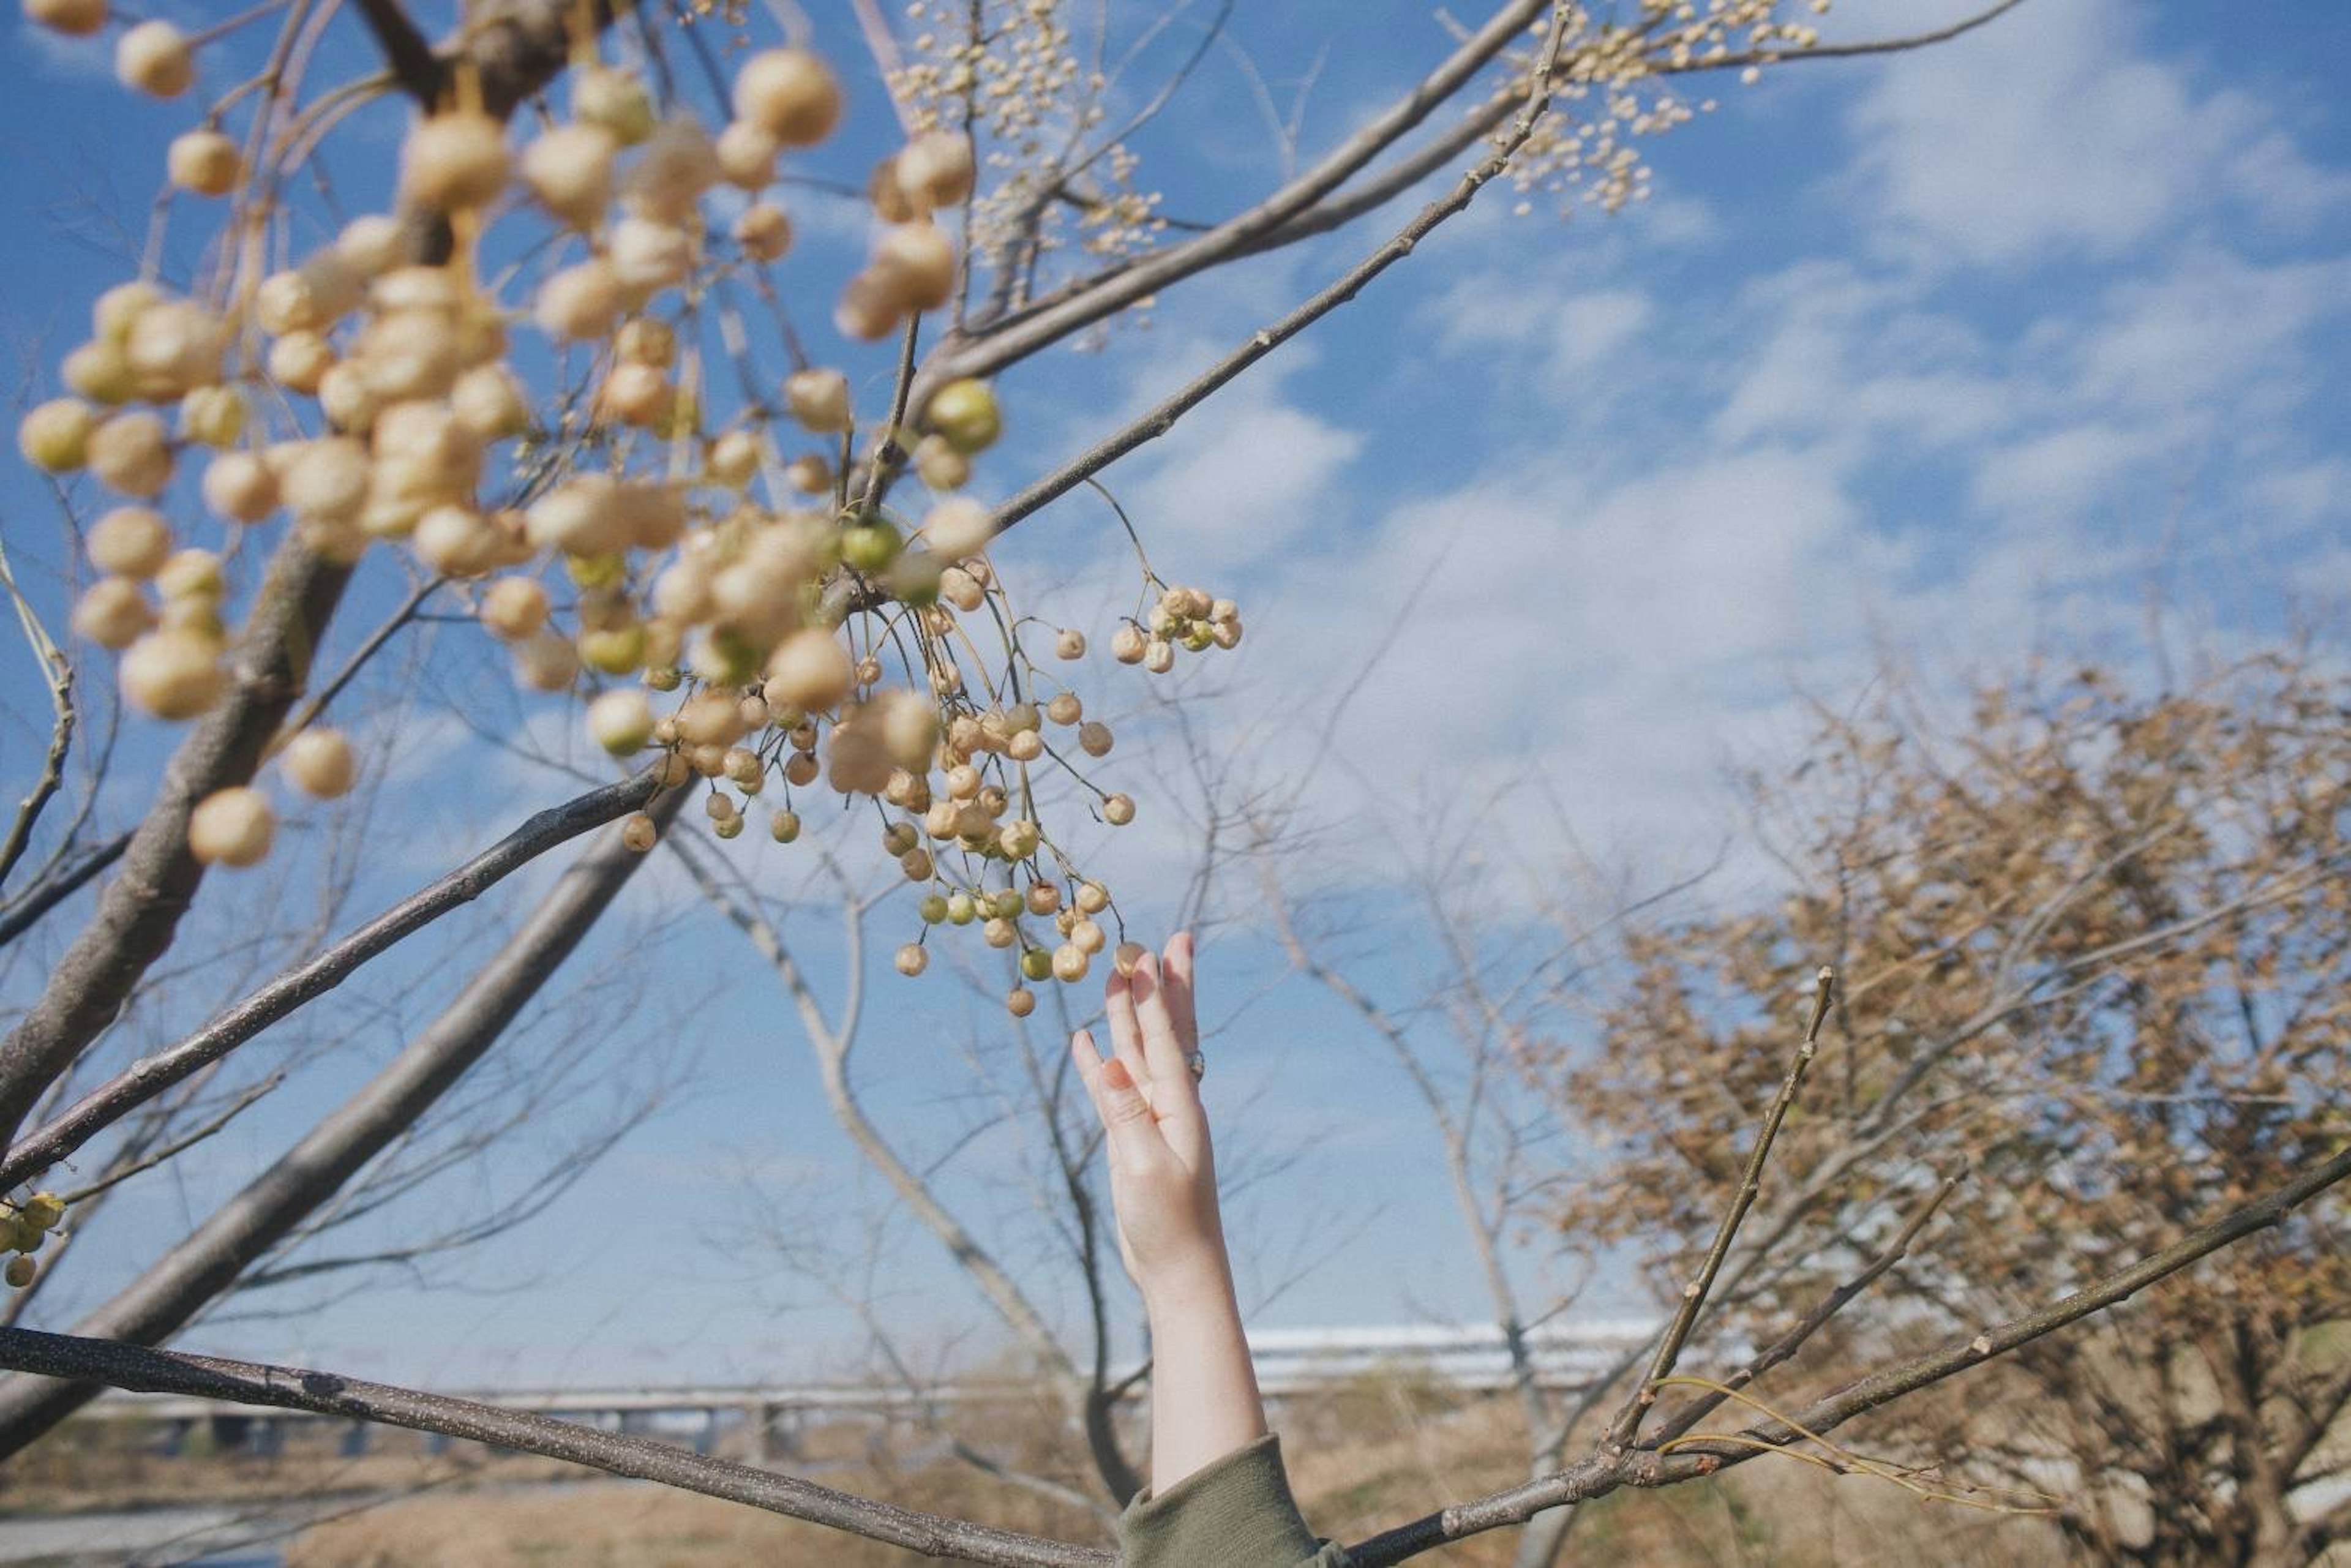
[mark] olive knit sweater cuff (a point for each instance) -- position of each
(1236, 1513)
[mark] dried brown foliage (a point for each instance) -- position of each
(2094, 943)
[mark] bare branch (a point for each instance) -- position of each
(58, 672)
(1696, 1409)
(150, 1075)
(1161, 419)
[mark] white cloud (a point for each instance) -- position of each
(1243, 475)
(2059, 473)
(1576, 334)
(2047, 133)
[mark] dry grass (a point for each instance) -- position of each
(1364, 1457)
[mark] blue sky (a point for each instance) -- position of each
(1947, 354)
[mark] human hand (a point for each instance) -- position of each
(1162, 1177)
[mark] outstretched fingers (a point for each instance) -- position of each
(1175, 974)
(1167, 1053)
(1125, 1028)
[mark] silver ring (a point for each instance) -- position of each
(1198, 1062)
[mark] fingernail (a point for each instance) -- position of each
(1115, 1075)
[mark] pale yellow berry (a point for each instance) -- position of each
(1094, 736)
(299, 361)
(1070, 963)
(134, 541)
(912, 959)
(733, 459)
(112, 613)
(231, 827)
(810, 670)
(79, 18)
(326, 481)
(239, 487)
(174, 675)
(546, 661)
(940, 465)
(205, 162)
(101, 373)
(570, 170)
(869, 309)
(1128, 956)
(613, 100)
(746, 155)
(320, 763)
(131, 453)
(788, 93)
(119, 307)
(370, 244)
(763, 233)
(212, 416)
(1071, 643)
(914, 264)
(580, 302)
(647, 257)
(456, 542)
(677, 164)
(1118, 810)
(1022, 1002)
(453, 161)
(489, 402)
(957, 528)
(639, 831)
(190, 574)
(935, 170)
(622, 721)
(155, 58)
(818, 399)
(56, 435)
(583, 516)
(513, 607)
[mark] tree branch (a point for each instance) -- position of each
(414, 66)
(1696, 1409)
(296, 987)
(93, 1362)
(200, 1268)
(1627, 1423)
(1162, 418)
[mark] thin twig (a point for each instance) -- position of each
(1695, 1410)
(58, 671)
(1627, 1425)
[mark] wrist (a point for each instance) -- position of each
(1193, 1283)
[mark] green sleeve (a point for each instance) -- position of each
(1237, 1512)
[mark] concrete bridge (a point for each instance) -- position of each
(773, 1419)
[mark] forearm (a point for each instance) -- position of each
(1204, 1396)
